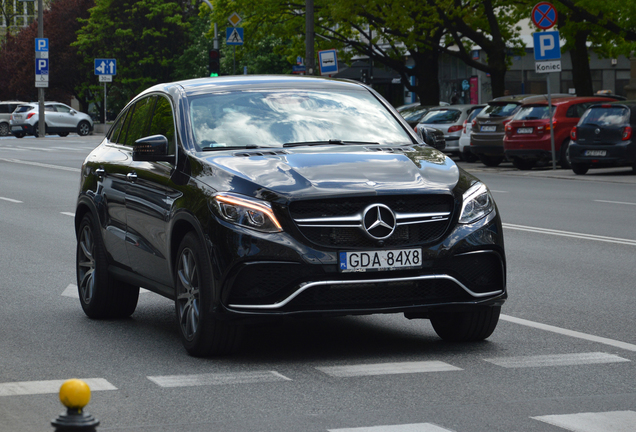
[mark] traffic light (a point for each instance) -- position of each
(364, 76)
(214, 62)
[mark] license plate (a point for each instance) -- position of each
(595, 152)
(16, 128)
(397, 259)
(524, 130)
(488, 128)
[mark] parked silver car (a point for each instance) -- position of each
(6, 109)
(60, 119)
(450, 120)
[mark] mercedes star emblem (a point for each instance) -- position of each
(379, 221)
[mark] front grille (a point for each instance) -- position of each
(356, 237)
(380, 295)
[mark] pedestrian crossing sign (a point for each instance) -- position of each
(234, 36)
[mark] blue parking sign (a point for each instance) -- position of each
(42, 66)
(547, 46)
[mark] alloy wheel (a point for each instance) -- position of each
(188, 301)
(86, 264)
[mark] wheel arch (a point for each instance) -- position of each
(184, 222)
(84, 206)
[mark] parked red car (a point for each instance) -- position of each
(527, 137)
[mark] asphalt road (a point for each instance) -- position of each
(561, 359)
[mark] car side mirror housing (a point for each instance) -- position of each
(426, 135)
(152, 148)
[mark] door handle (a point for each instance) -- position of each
(131, 177)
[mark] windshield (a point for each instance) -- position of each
(603, 116)
(499, 110)
(441, 116)
(533, 113)
(271, 118)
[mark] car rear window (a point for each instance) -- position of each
(605, 116)
(413, 114)
(23, 108)
(441, 116)
(499, 110)
(532, 113)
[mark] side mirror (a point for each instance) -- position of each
(153, 148)
(432, 137)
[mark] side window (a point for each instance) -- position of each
(572, 111)
(139, 120)
(49, 108)
(62, 108)
(114, 132)
(163, 123)
(4, 108)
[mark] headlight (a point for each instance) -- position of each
(477, 203)
(246, 212)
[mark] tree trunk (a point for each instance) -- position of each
(426, 71)
(581, 73)
(498, 68)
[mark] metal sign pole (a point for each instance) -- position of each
(551, 123)
(41, 119)
(105, 109)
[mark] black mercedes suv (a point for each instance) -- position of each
(249, 198)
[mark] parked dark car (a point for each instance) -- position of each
(486, 139)
(604, 137)
(528, 138)
(250, 198)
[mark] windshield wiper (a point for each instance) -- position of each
(243, 147)
(330, 142)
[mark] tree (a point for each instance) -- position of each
(146, 37)
(389, 32)
(17, 77)
(16, 15)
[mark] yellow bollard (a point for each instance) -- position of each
(75, 395)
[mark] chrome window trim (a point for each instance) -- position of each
(309, 285)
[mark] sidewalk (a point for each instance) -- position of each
(623, 175)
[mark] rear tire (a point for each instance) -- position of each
(19, 135)
(101, 296)
(522, 164)
(202, 334)
(63, 134)
(579, 169)
(466, 326)
(565, 155)
(491, 161)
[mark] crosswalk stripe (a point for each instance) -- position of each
(556, 360)
(415, 427)
(217, 379)
(387, 368)
(613, 421)
(47, 387)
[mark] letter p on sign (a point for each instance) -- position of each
(546, 46)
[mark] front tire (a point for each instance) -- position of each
(83, 128)
(4, 129)
(101, 296)
(201, 333)
(466, 326)
(565, 155)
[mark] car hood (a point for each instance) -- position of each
(343, 170)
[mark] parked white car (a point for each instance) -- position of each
(450, 120)
(60, 119)
(464, 139)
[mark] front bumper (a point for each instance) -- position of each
(286, 277)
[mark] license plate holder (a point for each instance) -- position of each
(524, 130)
(595, 152)
(380, 260)
(488, 128)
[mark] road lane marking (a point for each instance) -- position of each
(51, 386)
(217, 379)
(571, 333)
(41, 165)
(615, 202)
(556, 360)
(570, 234)
(68, 213)
(11, 200)
(414, 427)
(612, 421)
(498, 191)
(387, 368)
(71, 291)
